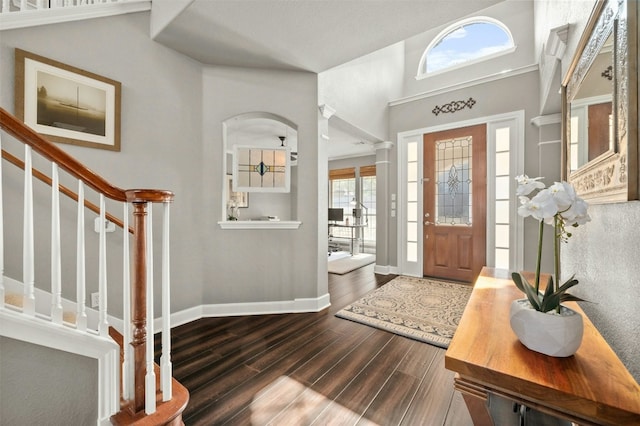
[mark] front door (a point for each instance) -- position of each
(454, 186)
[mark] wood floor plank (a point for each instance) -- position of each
(394, 399)
(241, 396)
(458, 415)
(303, 369)
(360, 392)
(434, 394)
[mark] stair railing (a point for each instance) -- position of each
(138, 375)
(27, 13)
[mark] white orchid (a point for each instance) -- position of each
(560, 207)
(527, 185)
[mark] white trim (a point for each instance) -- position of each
(470, 83)
(301, 305)
(545, 120)
(259, 224)
(43, 305)
(56, 336)
(385, 269)
(549, 142)
(32, 18)
(517, 166)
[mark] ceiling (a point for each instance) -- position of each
(306, 35)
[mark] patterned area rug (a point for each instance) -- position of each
(424, 309)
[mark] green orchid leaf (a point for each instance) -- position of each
(524, 286)
(548, 291)
(571, 298)
(567, 285)
(550, 302)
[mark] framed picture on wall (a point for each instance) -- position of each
(66, 104)
(241, 198)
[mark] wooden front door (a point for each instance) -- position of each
(455, 170)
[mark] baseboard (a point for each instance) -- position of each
(251, 308)
(385, 269)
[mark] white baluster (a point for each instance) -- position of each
(81, 287)
(23, 5)
(40, 4)
(150, 378)
(56, 259)
(127, 371)
(165, 359)
(28, 267)
(5, 6)
(1, 234)
(103, 325)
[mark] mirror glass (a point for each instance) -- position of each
(592, 129)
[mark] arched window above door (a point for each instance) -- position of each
(466, 42)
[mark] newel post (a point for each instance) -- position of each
(139, 305)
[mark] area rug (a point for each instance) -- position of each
(351, 263)
(423, 309)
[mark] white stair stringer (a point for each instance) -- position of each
(15, 289)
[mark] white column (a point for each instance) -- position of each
(1, 235)
(28, 267)
(56, 258)
(103, 324)
(127, 371)
(150, 378)
(81, 288)
(165, 359)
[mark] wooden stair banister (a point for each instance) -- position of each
(51, 152)
(139, 198)
(66, 191)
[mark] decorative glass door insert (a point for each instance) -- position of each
(454, 189)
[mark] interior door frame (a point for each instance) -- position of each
(516, 167)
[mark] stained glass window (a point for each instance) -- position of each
(261, 170)
(453, 182)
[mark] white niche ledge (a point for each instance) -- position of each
(259, 224)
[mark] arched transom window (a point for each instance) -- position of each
(466, 42)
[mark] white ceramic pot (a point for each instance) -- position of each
(558, 335)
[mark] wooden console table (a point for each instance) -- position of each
(592, 387)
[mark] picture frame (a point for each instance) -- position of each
(241, 198)
(66, 104)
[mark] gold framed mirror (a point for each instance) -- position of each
(600, 111)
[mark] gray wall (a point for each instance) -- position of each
(516, 15)
(497, 97)
(161, 139)
(603, 254)
(360, 89)
(64, 385)
(264, 265)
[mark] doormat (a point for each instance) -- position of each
(351, 263)
(423, 309)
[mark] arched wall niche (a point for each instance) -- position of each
(263, 130)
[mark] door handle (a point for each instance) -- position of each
(426, 222)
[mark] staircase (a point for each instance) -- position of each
(40, 307)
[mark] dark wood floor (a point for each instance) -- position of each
(302, 369)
